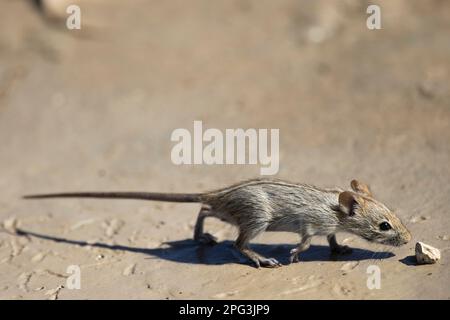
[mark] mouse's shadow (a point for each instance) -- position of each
(190, 251)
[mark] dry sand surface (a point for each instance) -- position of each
(94, 110)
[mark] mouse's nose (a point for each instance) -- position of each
(406, 237)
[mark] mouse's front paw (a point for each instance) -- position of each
(341, 250)
(207, 238)
(294, 255)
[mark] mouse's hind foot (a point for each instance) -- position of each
(265, 262)
(258, 260)
(269, 262)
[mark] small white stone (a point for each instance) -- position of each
(426, 254)
(10, 224)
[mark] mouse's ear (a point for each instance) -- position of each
(360, 187)
(347, 201)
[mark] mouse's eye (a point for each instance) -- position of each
(385, 226)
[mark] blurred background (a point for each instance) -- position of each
(93, 109)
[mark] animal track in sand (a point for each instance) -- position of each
(38, 257)
(222, 295)
(23, 280)
(81, 224)
(129, 270)
(112, 227)
(311, 282)
(416, 219)
(341, 290)
(349, 266)
(53, 293)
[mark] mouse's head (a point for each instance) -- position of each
(361, 214)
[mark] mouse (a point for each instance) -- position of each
(258, 205)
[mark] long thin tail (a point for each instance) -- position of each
(169, 197)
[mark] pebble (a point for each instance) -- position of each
(426, 254)
(10, 225)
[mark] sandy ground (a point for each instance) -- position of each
(94, 110)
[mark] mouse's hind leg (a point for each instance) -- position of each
(337, 248)
(242, 243)
(199, 235)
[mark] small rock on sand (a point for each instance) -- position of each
(10, 224)
(426, 254)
